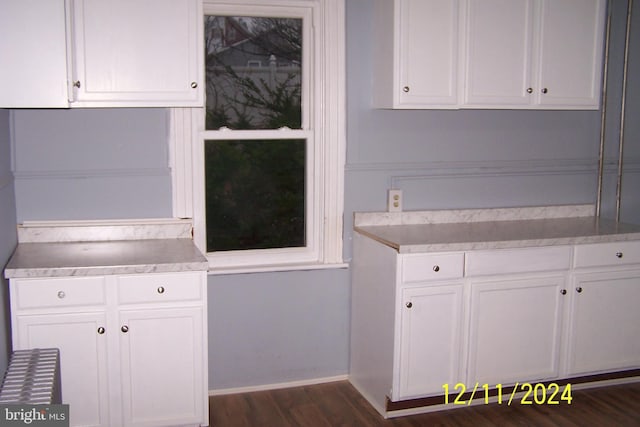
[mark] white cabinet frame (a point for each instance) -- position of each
(528, 315)
(133, 348)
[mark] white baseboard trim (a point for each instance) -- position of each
(300, 383)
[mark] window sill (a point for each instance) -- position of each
(218, 271)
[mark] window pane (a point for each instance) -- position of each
(255, 194)
(253, 72)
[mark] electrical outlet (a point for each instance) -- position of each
(394, 201)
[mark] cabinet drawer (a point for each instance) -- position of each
(522, 260)
(419, 267)
(159, 287)
(607, 254)
(58, 292)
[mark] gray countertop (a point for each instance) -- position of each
(50, 259)
(487, 229)
(95, 248)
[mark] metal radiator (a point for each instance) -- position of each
(32, 377)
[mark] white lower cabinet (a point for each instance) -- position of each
(161, 353)
(423, 320)
(133, 348)
(604, 322)
(515, 329)
(430, 330)
(83, 359)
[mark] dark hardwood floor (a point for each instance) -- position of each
(339, 404)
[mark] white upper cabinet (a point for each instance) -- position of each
(499, 54)
(499, 47)
(416, 54)
(571, 46)
(533, 53)
(137, 53)
(33, 54)
(94, 53)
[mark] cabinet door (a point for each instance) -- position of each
(428, 52)
(33, 51)
(430, 340)
(604, 329)
(83, 360)
(515, 329)
(162, 370)
(571, 42)
(499, 52)
(137, 53)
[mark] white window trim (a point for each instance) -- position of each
(187, 163)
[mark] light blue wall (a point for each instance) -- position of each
(482, 158)
(279, 327)
(630, 206)
(8, 235)
(109, 163)
(458, 140)
(91, 164)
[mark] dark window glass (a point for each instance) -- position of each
(253, 72)
(255, 194)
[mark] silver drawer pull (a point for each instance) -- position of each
(161, 289)
(61, 294)
(619, 254)
(436, 268)
(124, 329)
(101, 330)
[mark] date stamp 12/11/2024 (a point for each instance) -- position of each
(520, 393)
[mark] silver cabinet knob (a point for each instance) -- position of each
(563, 291)
(61, 294)
(544, 90)
(530, 90)
(436, 268)
(619, 254)
(194, 85)
(124, 329)
(77, 84)
(101, 330)
(405, 89)
(161, 289)
(578, 289)
(409, 304)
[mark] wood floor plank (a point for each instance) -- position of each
(338, 404)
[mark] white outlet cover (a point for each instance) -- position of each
(394, 200)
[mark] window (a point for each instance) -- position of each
(260, 168)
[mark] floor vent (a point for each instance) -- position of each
(32, 377)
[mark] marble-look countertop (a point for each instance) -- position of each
(92, 231)
(94, 248)
(473, 229)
